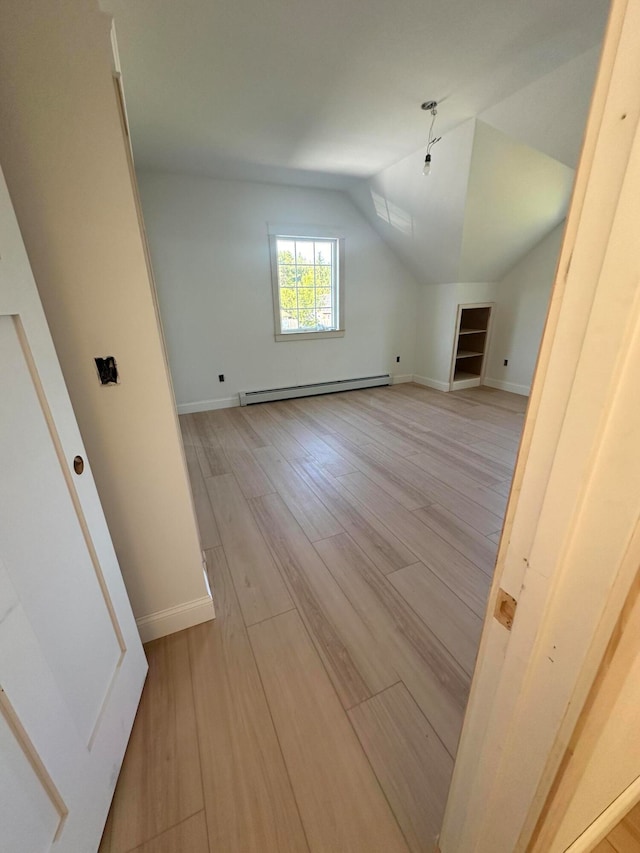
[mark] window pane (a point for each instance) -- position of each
(323, 276)
(287, 276)
(288, 322)
(286, 251)
(323, 297)
(304, 248)
(325, 318)
(323, 253)
(307, 286)
(306, 277)
(306, 297)
(288, 300)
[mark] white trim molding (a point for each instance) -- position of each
(523, 390)
(230, 402)
(461, 384)
(176, 618)
(207, 405)
(431, 383)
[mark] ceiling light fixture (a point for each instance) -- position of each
(431, 106)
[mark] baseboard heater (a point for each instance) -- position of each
(249, 397)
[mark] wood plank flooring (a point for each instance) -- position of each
(625, 837)
(350, 542)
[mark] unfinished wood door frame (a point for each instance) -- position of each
(564, 551)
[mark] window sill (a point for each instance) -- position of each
(305, 336)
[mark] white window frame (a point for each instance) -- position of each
(338, 282)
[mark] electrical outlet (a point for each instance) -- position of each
(397, 358)
(221, 377)
(506, 362)
(107, 370)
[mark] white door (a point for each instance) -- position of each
(71, 662)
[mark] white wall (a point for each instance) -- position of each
(209, 247)
(436, 327)
(210, 254)
(64, 158)
(522, 298)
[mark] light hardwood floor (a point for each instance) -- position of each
(350, 542)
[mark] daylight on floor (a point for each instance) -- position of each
(318, 509)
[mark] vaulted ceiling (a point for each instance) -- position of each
(325, 93)
(488, 201)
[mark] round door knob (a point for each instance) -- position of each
(78, 464)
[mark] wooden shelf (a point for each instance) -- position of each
(472, 338)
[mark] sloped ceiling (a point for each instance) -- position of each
(497, 186)
(248, 89)
(328, 95)
(515, 197)
(488, 201)
(549, 114)
(422, 218)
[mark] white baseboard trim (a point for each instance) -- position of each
(208, 405)
(431, 383)
(524, 390)
(230, 402)
(461, 384)
(176, 618)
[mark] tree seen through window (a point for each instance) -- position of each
(306, 284)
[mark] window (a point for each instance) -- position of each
(308, 286)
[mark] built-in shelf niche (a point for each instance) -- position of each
(473, 325)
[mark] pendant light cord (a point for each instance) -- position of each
(432, 141)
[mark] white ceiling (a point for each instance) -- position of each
(550, 113)
(422, 218)
(324, 93)
(488, 201)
